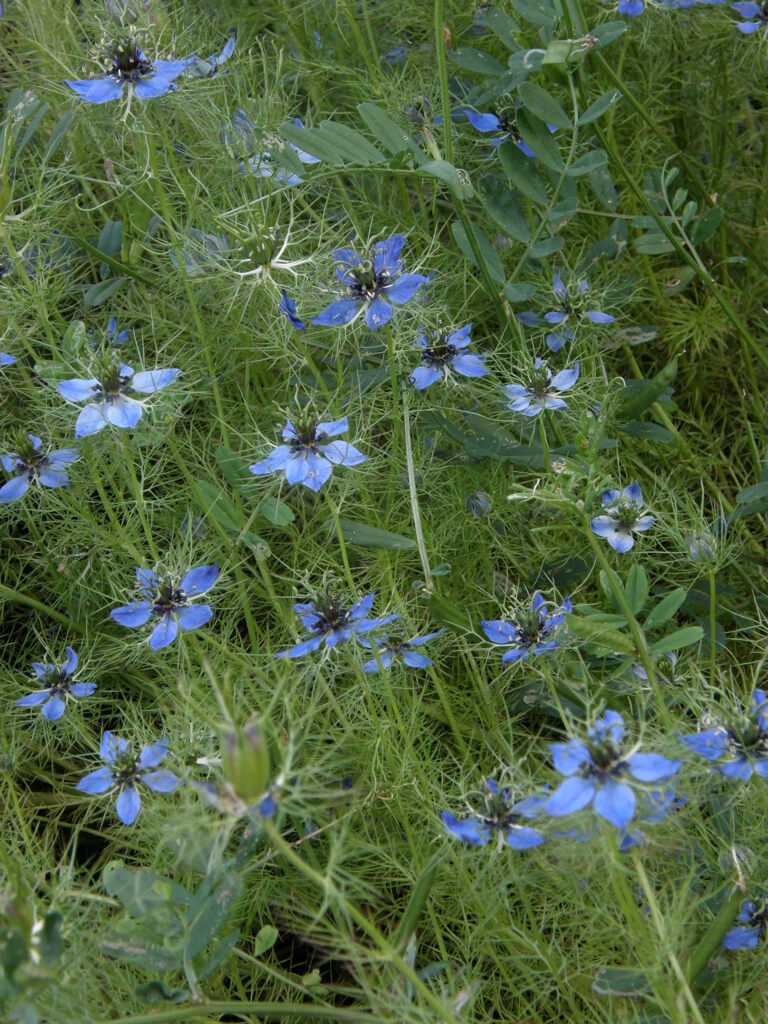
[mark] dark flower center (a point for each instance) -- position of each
(125, 768)
(748, 734)
(127, 64)
(363, 281)
(440, 352)
(111, 381)
(759, 916)
(57, 681)
(607, 762)
(331, 613)
(496, 812)
(627, 513)
(167, 597)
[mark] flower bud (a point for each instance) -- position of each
(245, 759)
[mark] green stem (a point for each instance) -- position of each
(259, 1011)
(544, 445)
(442, 71)
(417, 528)
(712, 628)
(713, 936)
(340, 538)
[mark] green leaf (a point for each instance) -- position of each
(519, 292)
(653, 243)
(518, 168)
(142, 893)
(312, 142)
(392, 136)
(544, 106)
(752, 493)
(665, 609)
(264, 941)
(100, 292)
(503, 208)
(680, 638)
(637, 588)
(218, 954)
(622, 981)
(475, 60)
(449, 614)
(648, 431)
(608, 33)
(156, 991)
(111, 238)
(502, 26)
(546, 247)
(74, 338)
(58, 135)
(650, 391)
(366, 536)
(139, 951)
(222, 510)
(350, 144)
(416, 904)
(208, 921)
(587, 164)
(457, 184)
(276, 511)
(233, 467)
(50, 942)
(490, 256)
(538, 12)
(599, 107)
(536, 135)
(707, 225)
(601, 635)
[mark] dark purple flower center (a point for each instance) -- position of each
(440, 352)
(125, 768)
(758, 918)
(167, 597)
(111, 381)
(56, 681)
(331, 613)
(364, 283)
(127, 64)
(606, 761)
(496, 811)
(749, 735)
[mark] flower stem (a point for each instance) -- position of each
(442, 71)
(340, 537)
(544, 445)
(712, 627)
(417, 528)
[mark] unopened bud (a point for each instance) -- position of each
(245, 759)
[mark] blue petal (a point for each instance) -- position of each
(112, 747)
(565, 378)
(404, 288)
(199, 580)
(160, 782)
(742, 938)
(499, 632)
(570, 796)
(615, 802)
(96, 782)
(340, 453)
(386, 255)
(523, 838)
(54, 708)
(123, 412)
(415, 660)
(739, 769)
(91, 420)
(331, 428)
(96, 90)
(469, 830)
(651, 767)
(194, 616)
(340, 311)
(128, 804)
(469, 365)
(149, 381)
(424, 376)
(14, 489)
(132, 615)
(32, 700)
(164, 633)
(78, 389)
(569, 757)
(153, 754)
(378, 313)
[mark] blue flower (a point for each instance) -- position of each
(528, 632)
(370, 286)
(753, 921)
(115, 337)
(243, 136)
(110, 395)
(540, 392)
(29, 465)
(388, 650)
(503, 121)
(287, 306)
(756, 13)
(6, 359)
(207, 68)
(58, 687)
(122, 770)
(498, 815)
(305, 458)
(598, 772)
(623, 515)
(442, 353)
(741, 747)
(570, 310)
(163, 599)
(631, 8)
(126, 64)
(329, 621)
